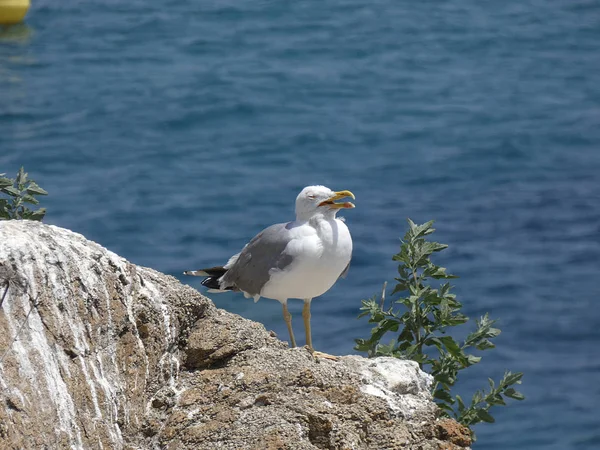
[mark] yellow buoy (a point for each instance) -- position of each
(13, 11)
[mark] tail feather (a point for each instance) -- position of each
(212, 274)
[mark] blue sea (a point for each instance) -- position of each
(171, 132)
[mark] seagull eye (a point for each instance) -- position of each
(312, 197)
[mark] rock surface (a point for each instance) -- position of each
(96, 352)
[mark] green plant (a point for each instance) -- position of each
(19, 192)
(423, 314)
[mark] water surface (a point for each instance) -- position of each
(172, 132)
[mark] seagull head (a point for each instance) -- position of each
(315, 200)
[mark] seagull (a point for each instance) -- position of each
(301, 259)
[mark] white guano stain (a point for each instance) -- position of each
(70, 268)
(168, 358)
(401, 383)
(32, 345)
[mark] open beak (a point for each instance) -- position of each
(337, 196)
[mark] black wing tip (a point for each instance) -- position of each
(212, 276)
(213, 283)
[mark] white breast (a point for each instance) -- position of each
(321, 251)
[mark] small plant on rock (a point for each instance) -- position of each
(19, 192)
(422, 316)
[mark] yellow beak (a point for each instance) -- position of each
(337, 196)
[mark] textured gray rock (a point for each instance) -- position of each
(97, 352)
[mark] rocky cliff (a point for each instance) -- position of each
(96, 352)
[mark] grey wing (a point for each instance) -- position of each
(266, 251)
(345, 272)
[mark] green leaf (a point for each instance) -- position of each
(495, 399)
(461, 404)
(446, 409)
(405, 335)
(382, 328)
(30, 199)
(445, 379)
(362, 314)
(362, 345)
(451, 345)
(493, 332)
(423, 230)
(409, 350)
(444, 395)
(411, 224)
(400, 287)
(385, 349)
(430, 296)
(511, 393)
(403, 273)
(440, 273)
(419, 357)
(433, 341)
(38, 215)
(472, 359)
(477, 398)
(431, 247)
(512, 378)
(405, 301)
(11, 191)
(485, 416)
(26, 214)
(34, 189)
(417, 231)
(485, 345)
(6, 182)
(21, 177)
(457, 319)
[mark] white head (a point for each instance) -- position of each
(315, 200)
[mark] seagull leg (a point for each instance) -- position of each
(288, 321)
(306, 318)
